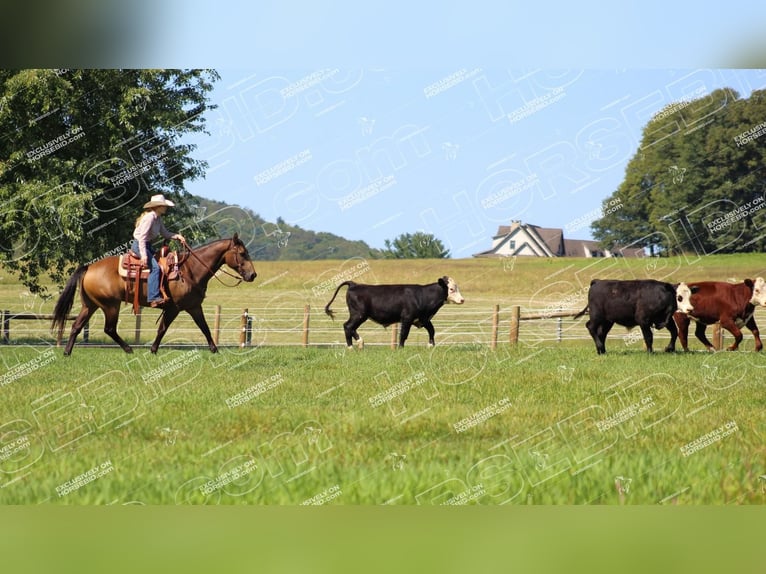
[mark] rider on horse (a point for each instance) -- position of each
(148, 226)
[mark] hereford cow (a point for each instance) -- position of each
(389, 304)
(643, 303)
(731, 304)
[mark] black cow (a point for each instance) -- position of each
(389, 304)
(641, 302)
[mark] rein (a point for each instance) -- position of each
(214, 273)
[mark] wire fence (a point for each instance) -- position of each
(306, 326)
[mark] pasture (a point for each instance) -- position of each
(543, 422)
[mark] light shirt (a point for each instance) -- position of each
(147, 230)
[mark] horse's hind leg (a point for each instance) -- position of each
(84, 316)
(110, 327)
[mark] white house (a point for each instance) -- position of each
(525, 239)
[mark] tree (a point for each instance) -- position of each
(82, 151)
(696, 182)
(418, 245)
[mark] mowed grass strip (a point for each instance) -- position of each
(449, 425)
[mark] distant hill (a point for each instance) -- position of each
(269, 241)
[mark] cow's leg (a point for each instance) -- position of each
(350, 327)
(682, 320)
(754, 328)
(199, 319)
(431, 332)
(646, 331)
(731, 326)
(404, 331)
(83, 317)
(168, 316)
(112, 315)
(671, 326)
(599, 331)
(699, 332)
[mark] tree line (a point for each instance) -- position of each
(696, 182)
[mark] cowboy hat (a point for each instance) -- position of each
(158, 201)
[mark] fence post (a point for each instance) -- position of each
(243, 328)
(6, 316)
(85, 332)
(515, 320)
(394, 335)
(306, 315)
(495, 323)
(717, 337)
(137, 332)
(249, 331)
(558, 329)
(217, 324)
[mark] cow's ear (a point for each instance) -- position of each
(749, 283)
(443, 281)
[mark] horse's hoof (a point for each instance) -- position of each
(128, 350)
(213, 349)
(153, 350)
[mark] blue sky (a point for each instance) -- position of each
(371, 152)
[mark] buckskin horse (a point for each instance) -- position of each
(101, 287)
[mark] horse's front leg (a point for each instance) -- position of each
(199, 318)
(168, 316)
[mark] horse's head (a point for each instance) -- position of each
(238, 259)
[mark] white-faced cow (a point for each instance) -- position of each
(389, 304)
(731, 304)
(640, 302)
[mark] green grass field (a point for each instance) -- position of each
(541, 422)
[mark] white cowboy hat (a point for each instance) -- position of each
(158, 201)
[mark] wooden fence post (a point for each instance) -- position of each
(495, 324)
(86, 332)
(6, 317)
(217, 324)
(243, 328)
(394, 335)
(558, 329)
(306, 315)
(717, 337)
(515, 320)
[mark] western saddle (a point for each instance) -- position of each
(131, 270)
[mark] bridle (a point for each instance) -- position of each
(214, 273)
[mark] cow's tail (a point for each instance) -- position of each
(581, 313)
(327, 307)
(66, 299)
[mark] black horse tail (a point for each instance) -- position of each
(327, 307)
(64, 304)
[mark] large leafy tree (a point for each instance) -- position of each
(416, 245)
(82, 150)
(697, 180)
